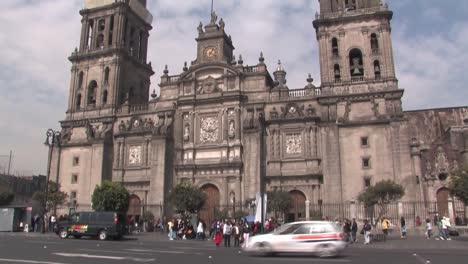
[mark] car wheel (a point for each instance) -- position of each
(264, 249)
(102, 235)
(63, 233)
(327, 251)
(77, 236)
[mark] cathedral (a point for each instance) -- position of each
(234, 130)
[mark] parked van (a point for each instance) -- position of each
(97, 224)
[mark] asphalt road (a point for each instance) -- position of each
(154, 248)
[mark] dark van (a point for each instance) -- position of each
(97, 224)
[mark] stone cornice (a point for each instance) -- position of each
(84, 122)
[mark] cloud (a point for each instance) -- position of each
(36, 37)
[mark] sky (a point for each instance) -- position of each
(430, 46)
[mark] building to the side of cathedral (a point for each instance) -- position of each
(323, 145)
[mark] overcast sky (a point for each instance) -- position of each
(36, 37)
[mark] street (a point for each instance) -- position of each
(156, 248)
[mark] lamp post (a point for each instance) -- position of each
(52, 140)
(261, 121)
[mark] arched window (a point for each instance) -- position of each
(374, 42)
(78, 101)
(106, 75)
(80, 80)
(377, 70)
(131, 94)
(111, 29)
(92, 88)
(140, 45)
(335, 51)
(337, 72)
(355, 63)
(104, 97)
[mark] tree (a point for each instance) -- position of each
(110, 196)
(278, 202)
(187, 199)
(459, 184)
(55, 197)
(6, 198)
(380, 195)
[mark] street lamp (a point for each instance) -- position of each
(52, 140)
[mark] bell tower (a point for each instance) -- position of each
(110, 65)
(355, 45)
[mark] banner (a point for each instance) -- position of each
(258, 209)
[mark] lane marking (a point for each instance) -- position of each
(28, 261)
(421, 259)
(155, 251)
(102, 257)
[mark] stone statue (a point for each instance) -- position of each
(232, 129)
(200, 28)
(186, 132)
(214, 17)
(221, 24)
(89, 131)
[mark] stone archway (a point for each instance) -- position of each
(134, 207)
(297, 209)
(207, 213)
(443, 195)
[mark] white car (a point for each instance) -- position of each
(322, 238)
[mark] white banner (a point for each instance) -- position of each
(258, 209)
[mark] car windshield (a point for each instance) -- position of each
(286, 229)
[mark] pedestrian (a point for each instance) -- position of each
(428, 229)
(170, 226)
(218, 234)
(227, 232)
(385, 225)
(246, 231)
(53, 222)
(354, 229)
(200, 230)
(236, 232)
(347, 230)
(445, 228)
(403, 227)
(366, 230)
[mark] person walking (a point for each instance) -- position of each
(200, 230)
(366, 230)
(354, 229)
(218, 234)
(403, 227)
(385, 225)
(428, 229)
(236, 232)
(227, 232)
(246, 232)
(445, 228)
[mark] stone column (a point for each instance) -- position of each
(400, 209)
(416, 166)
(225, 125)
(307, 209)
(451, 211)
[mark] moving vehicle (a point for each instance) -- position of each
(322, 238)
(97, 224)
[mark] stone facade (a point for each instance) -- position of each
(325, 144)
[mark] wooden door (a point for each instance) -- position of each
(443, 195)
(207, 213)
(297, 205)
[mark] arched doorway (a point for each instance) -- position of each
(134, 208)
(207, 213)
(443, 195)
(297, 209)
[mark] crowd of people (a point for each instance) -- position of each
(222, 231)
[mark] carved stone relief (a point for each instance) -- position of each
(232, 129)
(134, 155)
(441, 162)
(209, 130)
(293, 144)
